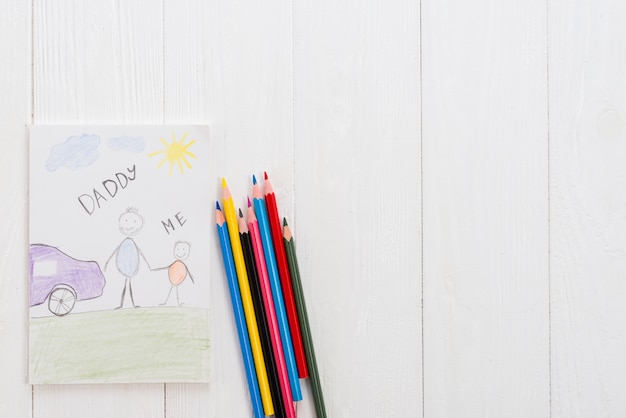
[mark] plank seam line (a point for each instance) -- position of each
(32, 62)
(421, 130)
(549, 209)
(163, 60)
(293, 117)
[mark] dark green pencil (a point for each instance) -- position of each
(294, 270)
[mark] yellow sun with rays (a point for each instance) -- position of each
(175, 153)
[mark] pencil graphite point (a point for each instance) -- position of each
(253, 179)
(265, 173)
(224, 185)
(284, 221)
(217, 205)
(240, 213)
(249, 203)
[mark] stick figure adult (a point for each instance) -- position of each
(128, 255)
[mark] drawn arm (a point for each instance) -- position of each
(191, 277)
(109, 259)
(144, 259)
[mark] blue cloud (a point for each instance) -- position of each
(126, 143)
(75, 152)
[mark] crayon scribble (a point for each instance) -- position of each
(127, 143)
(74, 152)
(175, 153)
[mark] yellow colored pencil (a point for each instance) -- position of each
(246, 299)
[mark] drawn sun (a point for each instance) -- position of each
(175, 153)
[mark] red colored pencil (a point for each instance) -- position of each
(285, 278)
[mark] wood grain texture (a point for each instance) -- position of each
(357, 226)
(98, 62)
(486, 278)
(15, 109)
(326, 97)
(588, 207)
(229, 65)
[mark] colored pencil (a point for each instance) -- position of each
(270, 311)
(279, 304)
(285, 279)
(235, 297)
(257, 301)
(246, 299)
(290, 249)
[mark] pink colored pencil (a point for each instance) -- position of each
(268, 303)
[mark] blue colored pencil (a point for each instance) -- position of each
(244, 342)
(277, 294)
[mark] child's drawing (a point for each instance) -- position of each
(128, 255)
(177, 272)
(74, 152)
(175, 153)
(87, 186)
(61, 279)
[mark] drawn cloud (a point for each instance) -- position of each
(126, 143)
(75, 152)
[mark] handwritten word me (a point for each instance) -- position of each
(169, 224)
(92, 201)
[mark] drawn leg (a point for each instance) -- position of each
(123, 293)
(168, 296)
(177, 301)
(130, 292)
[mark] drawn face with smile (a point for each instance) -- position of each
(181, 250)
(130, 222)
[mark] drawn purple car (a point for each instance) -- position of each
(61, 279)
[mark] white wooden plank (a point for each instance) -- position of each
(98, 62)
(485, 197)
(229, 64)
(15, 109)
(588, 207)
(357, 179)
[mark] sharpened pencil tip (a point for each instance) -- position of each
(284, 221)
(217, 205)
(240, 213)
(249, 203)
(253, 179)
(224, 185)
(265, 173)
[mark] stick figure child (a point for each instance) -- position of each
(178, 271)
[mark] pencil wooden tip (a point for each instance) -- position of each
(217, 205)
(224, 185)
(265, 173)
(253, 179)
(249, 203)
(287, 232)
(240, 213)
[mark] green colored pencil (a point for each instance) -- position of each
(294, 270)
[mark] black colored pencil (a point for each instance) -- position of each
(264, 333)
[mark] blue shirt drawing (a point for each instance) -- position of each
(128, 258)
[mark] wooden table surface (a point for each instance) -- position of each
(454, 172)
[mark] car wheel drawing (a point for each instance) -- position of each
(62, 280)
(61, 300)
